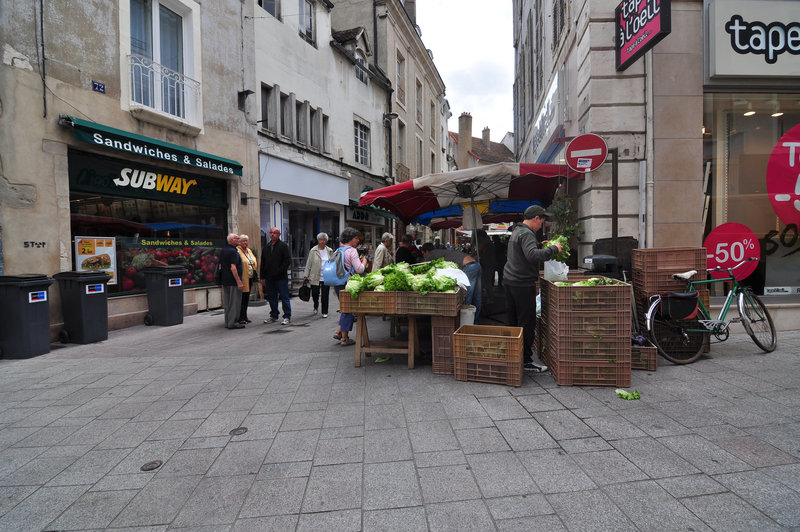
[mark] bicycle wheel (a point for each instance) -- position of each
(679, 341)
(757, 321)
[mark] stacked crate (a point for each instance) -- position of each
(485, 353)
(644, 357)
(442, 329)
(435, 303)
(653, 269)
(374, 303)
(586, 334)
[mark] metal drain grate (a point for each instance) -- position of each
(238, 431)
(150, 466)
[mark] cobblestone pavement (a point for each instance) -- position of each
(714, 445)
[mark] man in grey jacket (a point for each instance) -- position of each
(520, 275)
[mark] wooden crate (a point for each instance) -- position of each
(373, 303)
(484, 353)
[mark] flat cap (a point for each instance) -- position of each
(536, 210)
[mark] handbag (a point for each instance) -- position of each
(304, 293)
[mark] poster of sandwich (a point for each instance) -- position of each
(96, 253)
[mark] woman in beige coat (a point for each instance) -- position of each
(384, 254)
(313, 273)
(249, 273)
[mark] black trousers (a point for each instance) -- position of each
(521, 312)
(245, 302)
(315, 293)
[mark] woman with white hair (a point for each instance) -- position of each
(313, 273)
(249, 275)
(384, 254)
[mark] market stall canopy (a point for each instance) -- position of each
(496, 211)
(515, 181)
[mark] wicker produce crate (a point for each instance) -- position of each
(653, 268)
(484, 353)
(373, 303)
(442, 329)
(434, 303)
(644, 357)
(586, 334)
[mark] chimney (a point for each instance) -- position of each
(464, 140)
(486, 137)
(411, 9)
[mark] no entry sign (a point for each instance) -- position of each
(783, 177)
(586, 153)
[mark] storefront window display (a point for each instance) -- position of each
(740, 131)
(180, 223)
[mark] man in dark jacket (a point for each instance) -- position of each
(231, 273)
(520, 276)
(275, 262)
(403, 253)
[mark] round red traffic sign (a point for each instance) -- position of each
(783, 177)
(729, 244)
(586, 153)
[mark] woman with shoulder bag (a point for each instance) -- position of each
(318, 255)
(349, 238)
(250, 278)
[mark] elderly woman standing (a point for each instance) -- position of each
(384, 254)
(313, 273)
(249, 277)
(352, 263)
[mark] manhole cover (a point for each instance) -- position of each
(238, 431)
(150, 466)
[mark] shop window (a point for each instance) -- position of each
(559, 14)
(740, 130)
(361, 142)
(420, 156)
(273, 7)
(433, 163)
(433, 121)
(161, 61)
(307, 21)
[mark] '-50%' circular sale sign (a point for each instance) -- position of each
(783, 177)
(728, 245)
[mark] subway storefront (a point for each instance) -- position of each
(127, 215)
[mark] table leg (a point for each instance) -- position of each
(412, 341)
(361, 337)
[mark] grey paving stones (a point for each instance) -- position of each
(766, 494)
(189, 462)
(483, 440)
(503, 508)
(40, 508)
(459, 516)
(427, 436)
(274, 496)
(447, 483)
(295, 446)
(604, 514)
(344, 520)
(525, 435)
(754, 451)
(277, 523)
(335, 487)
(500, 475)
(563, 425)
(554, 471)
(94, 509)
(215, 501)
(650, 507)
(395, 520)
(507, 407)
(339, 451)
(725, 510)
(240, 458)
(390, 485)
(704, 455)
(90, 467)
(652, 457)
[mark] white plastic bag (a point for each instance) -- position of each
(539, 305)
(555, 271)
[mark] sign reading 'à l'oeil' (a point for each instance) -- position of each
(640, 25)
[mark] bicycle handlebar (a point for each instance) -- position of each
(719, 269)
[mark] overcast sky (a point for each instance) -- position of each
(473, 49)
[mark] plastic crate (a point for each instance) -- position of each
(494, 372)
(373, 303)
(644, 357)
(598, 325)
(653, 268)
(434, 303)
(585, 298)
(484, 353)
(442, 329)
(582, 374)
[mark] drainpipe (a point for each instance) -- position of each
(649, 143)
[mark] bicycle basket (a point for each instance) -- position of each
(679, 305)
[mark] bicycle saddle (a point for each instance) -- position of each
(685, 276)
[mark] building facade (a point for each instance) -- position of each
(695, 119)
(125, 142)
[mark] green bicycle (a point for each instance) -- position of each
(679, 322)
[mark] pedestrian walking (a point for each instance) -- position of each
(275, 263)
(520, 278)
(403, 253)
(231, 276)
(313, 273)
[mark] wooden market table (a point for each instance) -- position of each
(365, 346)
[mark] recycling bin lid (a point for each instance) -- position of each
(24, 278)
(90, 277)
(172, 269)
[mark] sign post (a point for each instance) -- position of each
(586, 153)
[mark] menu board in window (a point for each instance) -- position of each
(96, 254)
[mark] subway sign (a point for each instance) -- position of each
(640, 25)
(116, 177)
